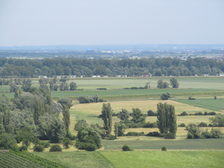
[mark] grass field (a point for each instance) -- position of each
(186, 144)
(78, 159)
(91, 111)
(170, 159)
(211, 104)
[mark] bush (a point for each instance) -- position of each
(163, 148)
(22, 148)
(155, 134)
(55, 148)
(44, 144)
(170, 136)
(151, 113)
(191, 98)
(88, 139)
(101, 88)
(7, 141)
(38, 148)
(94, 99)
(198, 113)
(150, 125)
(183, 113)
(182, 125)
(86, 146)
(165, 96)
(126, 148)
(202, 124)
(193, 132)
(66, 143)
(135, 134)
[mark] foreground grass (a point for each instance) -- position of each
(169, 159)
(78, 159)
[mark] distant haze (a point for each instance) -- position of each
(103, 22)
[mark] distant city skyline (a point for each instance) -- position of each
(111, 22)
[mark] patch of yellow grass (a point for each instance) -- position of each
(144, 105)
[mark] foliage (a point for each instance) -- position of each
(94, 99)
(174, 83)
(218, 120)
(7, 141)
(126, 148)
(66, 143)
(55, 148)
(166, 120)
(137, 116)
(123, 115)
(88, 139)
(106, 115)
(81, 124)
(38, 148)
(165, 96)
(163, 148)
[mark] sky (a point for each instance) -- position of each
(105, 22)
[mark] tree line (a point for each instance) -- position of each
(109, 67)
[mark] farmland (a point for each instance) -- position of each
(211, 104)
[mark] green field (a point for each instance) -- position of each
(78, 159)
(138, 159)
(186, 144)
(211, 104)
(170, 159)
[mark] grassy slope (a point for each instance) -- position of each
(78, 159)
(170, 159)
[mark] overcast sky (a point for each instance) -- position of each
(92, 22)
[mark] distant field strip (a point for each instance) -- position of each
(212, 104)
(169, 159)
(120, 93)
(186, 144)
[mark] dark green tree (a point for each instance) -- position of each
(73, 86)
(174, 83)
(166, 120)
(137, 116)
(106, 115)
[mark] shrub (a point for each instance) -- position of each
(101, 88)
(88, 139)
(38, 148)
(150, 125)
(183, 113)
(66, 143)
(86, 146)
(182, 125)
(163, 148)
(170, 135)
(193, 131)
(202, 124)
(44, 144)
(94, 99)
(198, 113)
(22, 148)
(218, 120)
(7, 141)
(126, 148)
(155, 134)
(55, 148)
(151, 113)
(135, 134)
(215, 133)
(191, 98)
(165, 96)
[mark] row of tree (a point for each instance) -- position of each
(109, 67)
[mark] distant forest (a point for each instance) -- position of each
(109, 67)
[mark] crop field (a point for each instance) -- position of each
(25, 160)
(211, 104)
(90, 112)
(158, 159)
(78, 159)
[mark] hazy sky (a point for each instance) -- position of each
(55, 22)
